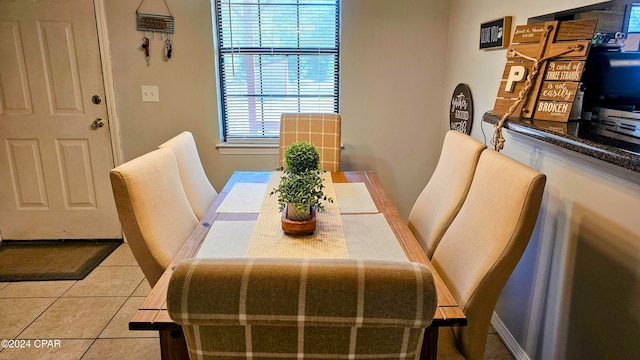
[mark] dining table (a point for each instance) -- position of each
(244, 221)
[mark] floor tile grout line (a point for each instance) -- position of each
(71, 287)
(87, 349)
(112, 317)
(37, 317)
(121, 306)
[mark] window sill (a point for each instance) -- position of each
(247, 149)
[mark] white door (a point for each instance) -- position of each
(54, 163)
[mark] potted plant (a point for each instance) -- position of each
(300, 191)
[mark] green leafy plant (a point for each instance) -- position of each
(301, 157)
(301, 184)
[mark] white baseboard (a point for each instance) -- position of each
(508, 339)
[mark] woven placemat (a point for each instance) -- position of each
(354, 198)
(243, 198)
(268, 239)
(227, 239)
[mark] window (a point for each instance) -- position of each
(632, 18)
(275, 56)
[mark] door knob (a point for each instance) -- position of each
(98, 123)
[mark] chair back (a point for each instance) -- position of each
(442, 197)
(321, 130)
(153, 209)
(301, 308)
(485, 241)
(199, 190)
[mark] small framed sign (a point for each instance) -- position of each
(495, 34)
(461, 111)
(154, 23)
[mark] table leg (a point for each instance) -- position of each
(173, 345)
(430, 344)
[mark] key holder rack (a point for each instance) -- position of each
(155, 23)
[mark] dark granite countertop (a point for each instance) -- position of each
(578, 136)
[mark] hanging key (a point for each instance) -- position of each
(168, 49)
(145, 46)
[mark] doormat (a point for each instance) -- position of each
(37, 260)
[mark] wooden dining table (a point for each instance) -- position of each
(152, 313)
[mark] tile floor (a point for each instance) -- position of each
(88, 319)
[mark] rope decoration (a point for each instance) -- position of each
(498, 139)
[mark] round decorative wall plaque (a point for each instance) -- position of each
(461, 111)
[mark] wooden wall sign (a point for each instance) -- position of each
(461, 111)
(154, 23)
(560, 49)
(495, 34)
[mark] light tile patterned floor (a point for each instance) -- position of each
(90, 317)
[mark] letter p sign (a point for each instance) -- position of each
(517, 73)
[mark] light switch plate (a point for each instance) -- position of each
(150, 93)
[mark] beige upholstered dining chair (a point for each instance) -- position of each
(301, 308)
(485, 241)
(322, 130)
(153, 209)
(199, 190)
(442, 197)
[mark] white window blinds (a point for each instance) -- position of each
(275, 56)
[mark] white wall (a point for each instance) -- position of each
(392, 57)
(392, 61)
(575, 293)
